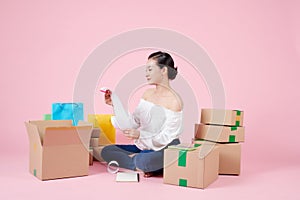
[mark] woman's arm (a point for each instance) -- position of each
(158, 140)
(123, 119)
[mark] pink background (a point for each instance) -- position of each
(255, 46)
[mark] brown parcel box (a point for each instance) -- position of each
(186, 167)
(97, 153)
(103, 139)
(219, 133)
(94, 142)
(230, 157)
(58, 149)
(222, 117)
(91, 157)
(96, 133)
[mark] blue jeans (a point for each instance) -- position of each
(145, 160)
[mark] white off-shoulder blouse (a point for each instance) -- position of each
(158, 125)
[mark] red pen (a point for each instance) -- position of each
(104, 90)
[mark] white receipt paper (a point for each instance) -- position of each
(128, 177)
(121, 115)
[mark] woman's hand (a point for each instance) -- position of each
(132, 133)
(107, 97)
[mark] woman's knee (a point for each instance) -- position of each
(148, 162)
(106, 151)
(140, 162)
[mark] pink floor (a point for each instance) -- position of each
(259, 181)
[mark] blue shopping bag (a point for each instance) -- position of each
(67, 111)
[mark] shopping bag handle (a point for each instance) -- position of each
(62, 104)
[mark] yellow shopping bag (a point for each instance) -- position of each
(103, 122)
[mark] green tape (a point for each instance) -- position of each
(238, 112)
(182, 158)
(197, 145)
(199, 140)
(34, 172)
(231, 138)
(233, 128)
(47, 117)
(183, 182)
(237, 123)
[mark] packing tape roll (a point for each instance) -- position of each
(113, 167)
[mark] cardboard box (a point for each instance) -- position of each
(58, 149)
(97, 153)
(94, 142)
(95, 132)
(103, 139)
(91, 157)
(217, 133)
(102, 121)
(222, 117)
(185, 167)
(230, 157)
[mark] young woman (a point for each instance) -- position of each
(159, 117)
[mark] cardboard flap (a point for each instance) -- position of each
(33, 134)
(85, 134)
(42, 124)
(84, 123)
(56, 136)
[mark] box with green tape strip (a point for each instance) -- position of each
(184, 166)
(230, 156)
(222, 117)
(57, 149)
(218, 133)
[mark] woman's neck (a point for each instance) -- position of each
(163, 88)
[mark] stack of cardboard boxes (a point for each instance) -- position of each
(223, 129)
(215, 150)
(94, 143)
(103, 131)
(103, 134)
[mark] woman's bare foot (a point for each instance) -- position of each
(153, 174)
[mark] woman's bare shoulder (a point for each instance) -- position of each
(171, 101)
(148, 93)
(177, 103)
